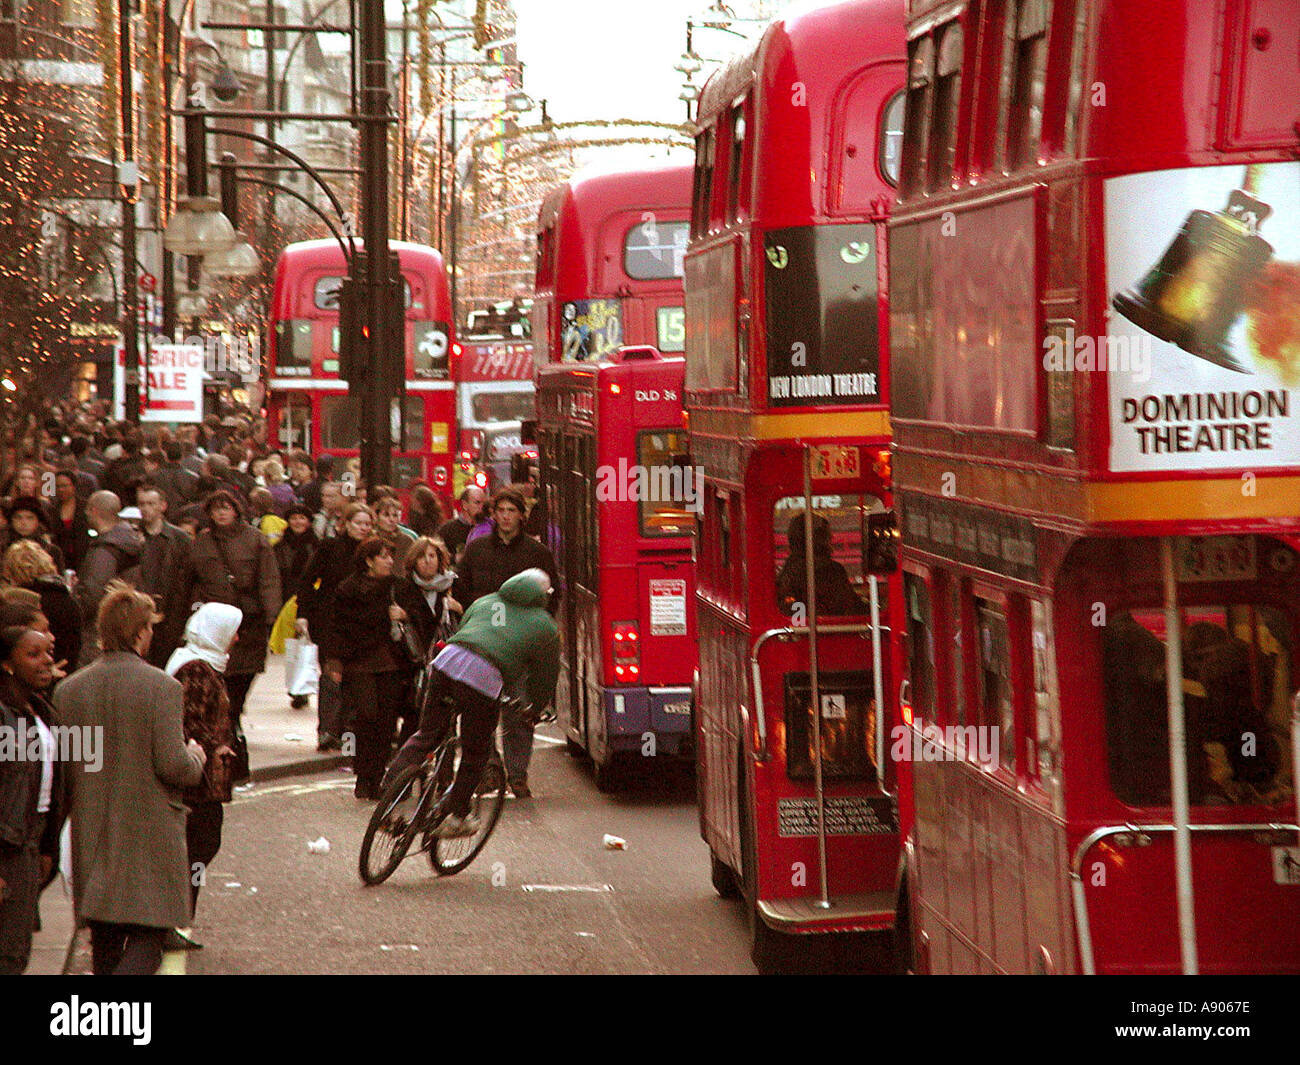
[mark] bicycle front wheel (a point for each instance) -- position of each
(392, 827)
(450, 856)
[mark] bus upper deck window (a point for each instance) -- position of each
(1028, 77)
(941, 163)
(737, 168)
(702, 195)
(891, 138)
(916, 115)
(654, 250)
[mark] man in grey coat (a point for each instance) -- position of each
(130, 876)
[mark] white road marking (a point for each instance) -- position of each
(594, 889)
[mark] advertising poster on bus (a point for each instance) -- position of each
(1203, 344)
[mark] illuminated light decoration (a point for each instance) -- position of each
(616, 389)
(9, 386)
(480, 479)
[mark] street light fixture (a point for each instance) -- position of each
(239, 260)
(192, 303)
(198, 228)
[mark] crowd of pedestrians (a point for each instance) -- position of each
(143, 572)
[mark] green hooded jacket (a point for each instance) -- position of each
(512, 629)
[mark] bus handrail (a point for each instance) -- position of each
(1081, 924)
(785, 634)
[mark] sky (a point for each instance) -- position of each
(612, 58)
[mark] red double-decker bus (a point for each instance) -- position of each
(787, 384)
(621, 507)
(308, 404)
(1095, 297)
(609, 264)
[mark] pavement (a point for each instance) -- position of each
(281, 743)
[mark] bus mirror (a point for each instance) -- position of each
(881, 549)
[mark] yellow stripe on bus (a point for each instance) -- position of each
(790, 426)
(1186, 500)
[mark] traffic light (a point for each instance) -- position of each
(353, 349)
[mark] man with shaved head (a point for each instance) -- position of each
(114, 552)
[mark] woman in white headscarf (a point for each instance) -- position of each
(199, 664)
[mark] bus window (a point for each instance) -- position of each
(848, 725)
(325, 293)
(891, 138)
(339, 424)
(703, 192)
(737, 169)
(295, 423)
(293, 348)
(667, 494)
(838, 524)
(1237, 680)
(996, 702)
(916, 114)
(503, 406)
(654, 250)
(412, 438)
(918, 640)
(1042, 741)
(1028, 74)
(942, 160)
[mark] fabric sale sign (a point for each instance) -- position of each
(1203, 340)
(174, 379)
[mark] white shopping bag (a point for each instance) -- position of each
(301, 667)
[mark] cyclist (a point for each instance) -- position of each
(506, 642)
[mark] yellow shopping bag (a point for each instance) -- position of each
(285, 623)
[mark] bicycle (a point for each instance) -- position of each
(414, 805)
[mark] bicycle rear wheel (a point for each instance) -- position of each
(392, 826)
(450, 856)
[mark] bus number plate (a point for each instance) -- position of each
(1215, 558)
(833, 461)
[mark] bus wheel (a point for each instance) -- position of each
(609, 776)
(723, 877)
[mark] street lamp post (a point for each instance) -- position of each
(128, 180)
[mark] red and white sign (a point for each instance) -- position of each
(497, 360)
(174, 382)
(668, 607)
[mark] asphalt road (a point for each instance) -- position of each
(544, 897)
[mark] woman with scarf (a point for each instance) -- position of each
(199, 664)
(424, 593)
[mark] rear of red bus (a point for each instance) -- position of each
(622, 507)
(609, 264)
(308, 404)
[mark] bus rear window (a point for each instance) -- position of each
(822, 316)
(839, 532)
(654, 250)
(667, 500)
(1237, 682)
(293, 348)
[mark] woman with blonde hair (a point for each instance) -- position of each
(129, 874)
(27, 565)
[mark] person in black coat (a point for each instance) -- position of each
(28, 520)
(295, 549)
(364, 659)
(68, 525)
(329, 567)
(491, 560)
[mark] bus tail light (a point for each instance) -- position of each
(626, 647)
